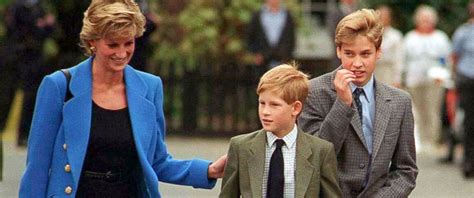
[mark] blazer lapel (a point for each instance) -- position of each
(355, 122)
(256, 163)
(383, 110)
(357, 126)
(304, 168)
(77, 117)
(142, 111)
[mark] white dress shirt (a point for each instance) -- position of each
(289, 156)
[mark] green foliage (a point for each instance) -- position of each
(236, 16)
(452, 13)
(207, 32)
(2, 31)
(200, 22)
(3, 4)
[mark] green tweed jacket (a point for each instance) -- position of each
(315, 174)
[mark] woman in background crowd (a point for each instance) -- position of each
(426, 48)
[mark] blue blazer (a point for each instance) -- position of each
(60, 134)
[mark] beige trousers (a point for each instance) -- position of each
(427, 99)
(385, 72)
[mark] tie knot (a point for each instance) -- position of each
(279, 143)
(358, 91)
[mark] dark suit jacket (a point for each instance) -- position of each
(257, 40)
(60, 135)
(315, 173)
(393, 159)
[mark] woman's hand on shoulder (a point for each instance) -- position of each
(216, 169)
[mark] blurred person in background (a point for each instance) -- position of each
(101, 133)
(390, 65)
(69, 15)
(142, 44)
(427, 48)
(27, 27)
(463, 67)
(271, 36)
(3, 114)
(5, 100)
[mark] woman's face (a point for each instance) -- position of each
(425, 22)
(113, 54)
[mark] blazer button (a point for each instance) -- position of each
(361, 166)
(68, 190)
(67, 168)
(65, 146)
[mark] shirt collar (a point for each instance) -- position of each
(289, 138)
(368, 88)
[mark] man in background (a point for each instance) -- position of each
(271, 36)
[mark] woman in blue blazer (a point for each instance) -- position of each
(108, 139)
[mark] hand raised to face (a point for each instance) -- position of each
(341, 84)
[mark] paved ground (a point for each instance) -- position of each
(434, 180)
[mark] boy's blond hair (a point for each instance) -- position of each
(286, 80)
(365, 22)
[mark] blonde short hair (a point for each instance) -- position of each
(286, 80)
(111, 18)
(365, 22)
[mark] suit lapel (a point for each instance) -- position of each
(256, 162)
(383, 110)
(357, 126)
(304, 168)
(77, 117)
(355, 122)
(142, 111)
